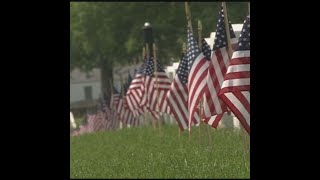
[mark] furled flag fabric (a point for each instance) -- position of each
(235, 90)
(213, 106)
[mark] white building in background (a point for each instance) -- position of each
(85, 88)
(236, 28)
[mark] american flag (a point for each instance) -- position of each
(104, 101)
(214, 108)
(198, 68)
(120, 106)
(89, 126)
(99, 121)
(134, 93)
(156, 86)
(178, 95)
(106, 114)
(206, 49)
(100, 118)
(235, 90)
(114, 98)
(125, 115)
(142, 99)
(109, 123)
(128, 116)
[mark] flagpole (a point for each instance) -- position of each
(244, 142)
(147, 51)
(201, 102)
(143, 53)
(111, 108)
(188, 16)
(121, 88)
(200, 34)
(148, 56)
(184, 49)
(125, 97)
(226, 23)
(157, 86)
(143, 58)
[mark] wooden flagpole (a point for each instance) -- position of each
(244, 142)
(143, 58)
(143, 53)
(121, 88)
(226, 22)
(148, 56)
(188, 16)
(147, 51)
(125, 97)
(111, 97)
(184, 49)
(200, 34)
(209, 136)
(157, 83)
(201, 101)
(243, 132)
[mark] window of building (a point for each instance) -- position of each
(88, 92)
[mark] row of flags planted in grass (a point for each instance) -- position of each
(214, 78)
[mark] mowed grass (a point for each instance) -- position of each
(152, 153)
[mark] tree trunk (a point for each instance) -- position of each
(106, 78)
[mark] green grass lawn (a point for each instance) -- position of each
(152, 153)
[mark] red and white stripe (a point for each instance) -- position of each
(177, 99)
(160, 84)
(114, 101)
(134, 95)
(98, 121)
(213, 106)
(197, 84)
(235, 90)
(124, 113)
